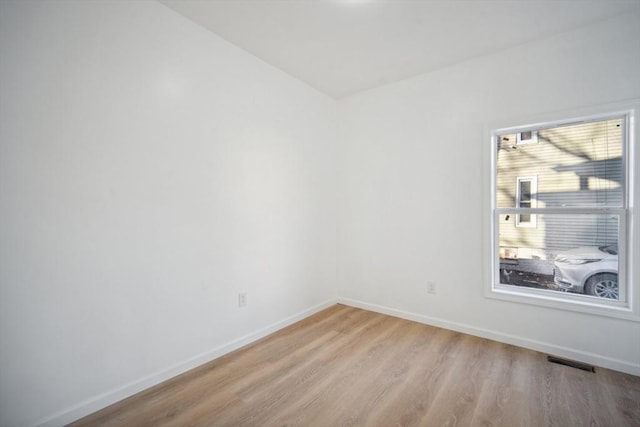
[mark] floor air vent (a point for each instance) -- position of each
(572, 363)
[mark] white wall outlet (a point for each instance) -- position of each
(431, 287)
(242, 299)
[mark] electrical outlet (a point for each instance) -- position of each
(242, 299)
(431, 287)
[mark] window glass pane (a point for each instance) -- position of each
(578, 165)
(564, 253)
(525, 192)
(525, 217)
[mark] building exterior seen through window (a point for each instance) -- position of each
(559, 208)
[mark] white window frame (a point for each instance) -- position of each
(628, 306)
(534, 196)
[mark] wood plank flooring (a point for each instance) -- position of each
(350, 367)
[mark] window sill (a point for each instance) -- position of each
(563, 301)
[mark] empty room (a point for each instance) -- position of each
(319, 213)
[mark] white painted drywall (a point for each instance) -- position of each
(412, 198)
(149, 171)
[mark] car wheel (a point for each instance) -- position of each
(604, 285)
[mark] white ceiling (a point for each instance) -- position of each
(341, 47)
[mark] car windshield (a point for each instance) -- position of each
(610, 249)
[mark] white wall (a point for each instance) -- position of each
(413, 202)
(149, 171)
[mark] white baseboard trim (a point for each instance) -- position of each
(96, 403)
(543, 347)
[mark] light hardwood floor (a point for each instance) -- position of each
(350, 367)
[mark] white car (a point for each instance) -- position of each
(590, 270)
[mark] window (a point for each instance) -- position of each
(527, 137)
(526, 189)
(560, 212)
